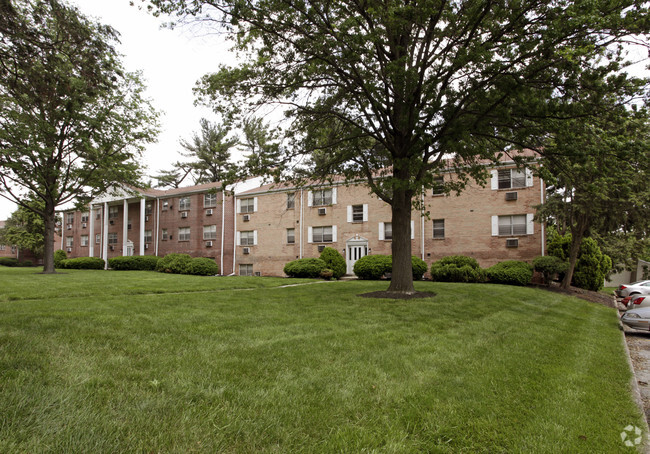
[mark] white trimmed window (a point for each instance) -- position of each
(98, 214)
(438, 229)
(112, 238)
(385, 230)
(247, 238)
(129, 224)
(69, 218)
(148, 237)
(112, 212)
(98, 238)
(358, 213)
(511, 178)
(438, 186)
(148, 208)
(164, 235)
(509, 225)
(209, 232)
(183, 234)
(248, 205)
(291, 236)
(184, 203)
(84, 240)
(324, 234)
(85, 216)
(210, 200)
(165, 205)
(291, 200)
(68, 241)
(245, 269)
(321, 197)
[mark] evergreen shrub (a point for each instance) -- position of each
(510, 272)
(457, 268)
(59, 256)
(202, 266)
(592, 266)
(334, 261)
(549, 266)
(373, 267)
(174, 263)
(8, 261)
(305, 268)
(134, 262)
(83, 263)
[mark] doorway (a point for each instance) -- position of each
(356, 248)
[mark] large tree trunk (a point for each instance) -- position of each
(402, 274)
(577, 233)
(48, 248)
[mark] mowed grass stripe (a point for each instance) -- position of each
(478, 368)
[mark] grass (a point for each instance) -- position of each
(191, 366)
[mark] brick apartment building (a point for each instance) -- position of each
(255, 230)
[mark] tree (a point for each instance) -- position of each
(209, 154)
(72, 122)
(25, 228)
(384, 91)
(597, 167)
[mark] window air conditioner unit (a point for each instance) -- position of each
(208, 212)
(247, 217)
(208, 244)
(146, 246)
(146, 219)
(258, 273)
(170, 236)
(322, 211)
(511, 195)
(111, 222)
(112, 248)
(184, 214)
(69, 249)
(84, 225)
(246, 250)
(512, 242)
(69, 226)
(321, 247)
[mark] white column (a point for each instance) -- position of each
(105, 236)
(125, 226)
(91, 236)
(142, 213)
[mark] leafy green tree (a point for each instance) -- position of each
(25, 229)
(72, 121)
(384, 91)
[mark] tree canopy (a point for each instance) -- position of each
(72, 121)
(25, 228)
(386, 91)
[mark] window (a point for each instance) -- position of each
(129, 224)
(438, 186)
(247, 205)
(291, 201)
(112, 212)
(388, 230)
(512, 225)
(245, 269)
(68, 241)
(69, 218)
(322, 234)
(209, 232)
(247, 238)
(183, 234)
(84, 217)
(357, 213)
(98, 238)
(438, 228)
(148, 236)
(164, 235)
(184, 203)
(210, 200)
(148, 208)
(322, 197)
(2, 247)
(84, 240)
(98, 214)
(512, 178)
(112, 238)
(165, 205)
(291, 236)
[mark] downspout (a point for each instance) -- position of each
(541, 199)
(157, 224)
(301, 222)
(422, 225)
(234, 233)
(223, 224)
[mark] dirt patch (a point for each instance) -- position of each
(397, 295)
(594, 297)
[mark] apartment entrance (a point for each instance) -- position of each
(129, 248)
(356, 248)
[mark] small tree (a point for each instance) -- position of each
(549, 266)
(334, 261)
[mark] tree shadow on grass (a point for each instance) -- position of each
(397, 295)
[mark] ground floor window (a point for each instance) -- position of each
(209, 232)
(112, 238)
(98, 238)
(291, 236)
(438, 228)
(164, 234)
(184, 234)
(148, 237)
(322, 234)
(512, 225)
(84, 240)
(68, 241)
(245, 269)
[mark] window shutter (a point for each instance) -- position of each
(254, 237)
(254, 204)
(495, 179)
(333, 234)
(382, 235)
(412, 230)
(529, 178)
(238, 206)
(310, 234)
(238, 235)
(349, 213)
(530, 225)
(333, 196)
(310, 199)
(495, 225)
(365, 212)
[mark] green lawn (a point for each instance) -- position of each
(96, 361)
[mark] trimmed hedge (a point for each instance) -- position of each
(511, 272)
(202, 266)
(457, 268)
(592, 266)
(549, 266)
(307, 268)
(83, 263)
(334, 261)
(134, 262)
(374, 267)
(59, 256)
(174, 263)
(9, 261)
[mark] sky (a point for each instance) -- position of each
(171, 62)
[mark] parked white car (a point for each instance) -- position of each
(637, 318)
(640, 287)
(637, 301)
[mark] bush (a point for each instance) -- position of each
(592, 266)
(8, 261)
(83, 263)
(59, 256)
(134, 262)
(334, 261)
(174, 263)
(457, 268)
(327, 274)
(373, 267)
(419, 268)
(26, 263)
(308, 268)
(512, 272)
(201, 266)
(549, 266)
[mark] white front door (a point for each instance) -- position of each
(129, 248)
(355, 250)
